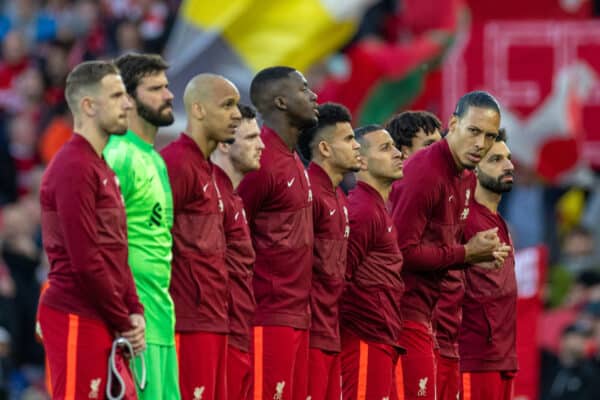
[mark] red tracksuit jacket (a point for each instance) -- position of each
(84, 232)
(239, 258)
(370, 305)
(331, 222)
(199, 277)
(429, 207)
(487, 340)
(278, 203)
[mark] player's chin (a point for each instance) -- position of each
(119, 130)
(227, 136)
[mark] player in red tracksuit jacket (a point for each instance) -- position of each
(278, 203)
(370, 306)
(413, 131)
(430, 206)
(199, 282)
(333, 152)
(91, 297)
(232, 161)
(487, 340)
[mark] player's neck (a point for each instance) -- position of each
(93, 134)
(383, 187)
(335, 175)
(288, 133)
(200, 137)
(453, 152)
(487, 198)
(224, 162)
(145, 130)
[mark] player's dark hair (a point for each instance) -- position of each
(135, 66)
(263, 81)
(478, 98)
(404, 126)
(361, 132)
(85, 76)
(329, 115)
(501, 135)
(247, 111)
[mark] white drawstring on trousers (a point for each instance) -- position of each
(113, 371)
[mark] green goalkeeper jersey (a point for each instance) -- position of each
(149, 206)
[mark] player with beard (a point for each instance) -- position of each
(370, 314)
(91, 298)
(487, 340)
(430, 206)
(149, 207)
(333, 151)
(278, 203)
(232, 161)
(199, 283)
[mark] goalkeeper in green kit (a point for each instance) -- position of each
(149, 207)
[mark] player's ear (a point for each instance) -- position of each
(280, 103)
(405, 151)
(88, 106)
(324, 149)
(453, 124)
(198, 111)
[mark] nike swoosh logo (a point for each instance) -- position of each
(237, 214)
(331, 212)
(205, 187)
(291, 182)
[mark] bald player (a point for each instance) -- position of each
(199, 273)
(278, 202)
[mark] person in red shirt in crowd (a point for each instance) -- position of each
(231, 162)
(15, 62)
(199, 282)
(487, 340)
(370, 313)
(333, 152)
(430, 206)
(278, 203)
(91, 297)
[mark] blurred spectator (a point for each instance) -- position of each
(585, 289)
(524, 209)
(128, 38)
(23, 150)
(55, 67)
(15, 61)
(58, 131)
(29, 94)
(571, 375)
(578, 252)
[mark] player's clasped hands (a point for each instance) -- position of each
(486, 250)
